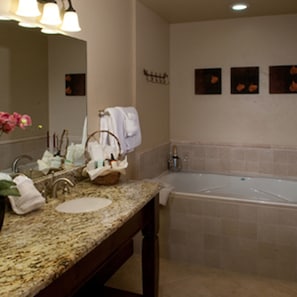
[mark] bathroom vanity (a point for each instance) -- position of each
(50, 253)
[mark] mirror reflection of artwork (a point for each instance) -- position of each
(283, 79)
(75, 84)
(245, 80)
(208, 81)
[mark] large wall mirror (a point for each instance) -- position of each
(32, 81)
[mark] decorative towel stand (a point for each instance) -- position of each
(155, 77)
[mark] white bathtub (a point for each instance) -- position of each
(235, 223)
(257, 189)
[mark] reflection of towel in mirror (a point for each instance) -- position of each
(29, 199)
(124, 123)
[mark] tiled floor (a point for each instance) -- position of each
(181, 280)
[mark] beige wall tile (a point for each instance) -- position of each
(267, 215)
(229, 210)
(248, 230)
(288, 217)
(248, 213)
(267, 233)
(287, 236)
(230, 227)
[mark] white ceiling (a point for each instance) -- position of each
(180, 11)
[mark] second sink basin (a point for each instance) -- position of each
(84, 204)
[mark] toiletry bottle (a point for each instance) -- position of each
(175, 159)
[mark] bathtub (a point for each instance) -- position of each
(236, 223)
(256, 189)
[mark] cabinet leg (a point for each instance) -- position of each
(150, 255)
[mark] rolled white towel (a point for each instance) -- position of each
(29, 199)
(165, 190)
(164, 195)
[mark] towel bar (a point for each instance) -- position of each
(102, 113)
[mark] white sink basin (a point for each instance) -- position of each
(84, 204)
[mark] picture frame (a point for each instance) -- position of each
(75, 84)
(283, 79)
(245, 80)
(208, 81)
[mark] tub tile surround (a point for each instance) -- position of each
(234, 236)
(264, 161)
(239, 159)
(153, 162)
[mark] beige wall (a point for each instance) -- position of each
(152, 54)
(122, 38)
(107, 28)
(232, 119)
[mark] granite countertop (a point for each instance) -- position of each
(38, 247)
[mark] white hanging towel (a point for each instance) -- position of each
(124, 123)
(132, 131)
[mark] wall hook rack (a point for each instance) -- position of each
(154, 77)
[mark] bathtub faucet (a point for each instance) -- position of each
(174, 162)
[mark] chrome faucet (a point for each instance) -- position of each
(65, 182)
(14, 165)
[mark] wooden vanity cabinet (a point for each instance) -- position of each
(88, 276)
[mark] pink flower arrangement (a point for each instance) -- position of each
(8, 122)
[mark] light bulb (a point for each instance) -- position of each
(239, 6)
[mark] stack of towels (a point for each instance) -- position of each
(124, 123)
(30, 198)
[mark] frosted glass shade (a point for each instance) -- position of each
(28, 8)
(51, 15)
(70, 22)
(49, 31)
(4, 9)
(27, 24)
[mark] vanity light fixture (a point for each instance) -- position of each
(54, 19)
(51, 16)
(239, 6)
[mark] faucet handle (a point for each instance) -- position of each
(66, 186)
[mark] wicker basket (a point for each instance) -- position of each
(111, 178)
